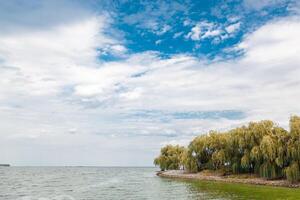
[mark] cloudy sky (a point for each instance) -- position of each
(109, 82)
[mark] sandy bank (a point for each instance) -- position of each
(244, 179)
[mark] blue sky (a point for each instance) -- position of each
(172, 27)
(110, 82)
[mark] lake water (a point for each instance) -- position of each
(99, 183)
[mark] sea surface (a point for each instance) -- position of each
(117, 183)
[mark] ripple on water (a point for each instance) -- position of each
(84, 183)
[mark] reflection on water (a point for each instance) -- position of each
(90, 183)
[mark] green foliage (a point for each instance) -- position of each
(235, 168)
(268, 170)
(292, 172)
(261, 148)
(295, 126)
(189, 161)
(170, 157)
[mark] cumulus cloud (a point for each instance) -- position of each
(208, 30)
(213, 86)
(202, 30)
(52, 79)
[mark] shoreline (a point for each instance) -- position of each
(180, 174)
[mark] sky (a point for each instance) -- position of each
(108, 83)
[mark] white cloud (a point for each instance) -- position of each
(200, 30)
(48, 60)
(187, 22)
(257, 5)
(132, 95)
(157, 42)
(233, 27)
(211, 33)
(17, 17)
(294, 7)
(51, 79)
(117, 49)
(73, 130)
(178, 34)
(156, 16)
(195, 33)
(233, 19)
(165, 28)
(182, 142)
(216, 32)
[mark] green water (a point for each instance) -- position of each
(217, 190)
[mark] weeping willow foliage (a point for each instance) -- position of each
(260, 148)
(170, 157)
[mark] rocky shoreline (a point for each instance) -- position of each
(180, 174)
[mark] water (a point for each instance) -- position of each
(93, 183)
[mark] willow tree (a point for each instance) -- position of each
(260, 148)
(170, 157)
(293, 150)
(189, 161)
(199, 152)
